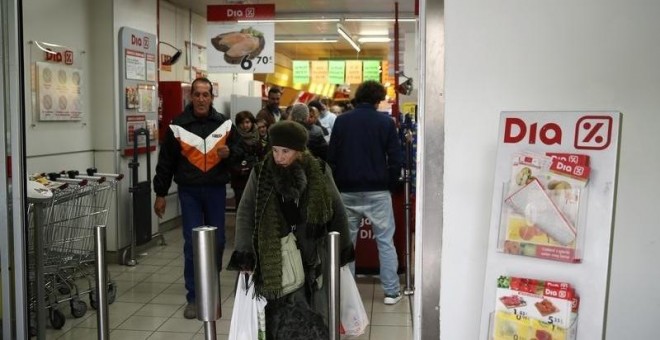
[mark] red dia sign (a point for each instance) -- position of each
(239, 12)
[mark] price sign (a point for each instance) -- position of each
(301, 72)
(241, 47)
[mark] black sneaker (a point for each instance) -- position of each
(392, 299)
(190, 312)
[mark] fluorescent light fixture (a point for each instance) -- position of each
(344, 34)
(373, 39)
(305, 39)
(292, 20)
(379, 19)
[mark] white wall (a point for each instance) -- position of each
(568, 55)
(57, 22)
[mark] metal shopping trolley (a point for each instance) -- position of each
(61, 261)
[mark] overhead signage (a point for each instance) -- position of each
(301, 72)
(239, 12)
(371, 70)
(241, 47)
(353, 71)
(319, 72)
(336, 71)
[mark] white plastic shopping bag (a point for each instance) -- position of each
(248, 318)
(354, 319)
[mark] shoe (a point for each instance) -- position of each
(393, 299)
(190, 312)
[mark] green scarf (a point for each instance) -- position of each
(308, 182)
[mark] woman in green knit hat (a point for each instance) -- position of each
(290, 191)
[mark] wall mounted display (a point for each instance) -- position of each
(551, 225)
(137, 80)
(57, 82)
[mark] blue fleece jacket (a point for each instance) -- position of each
(365, 153)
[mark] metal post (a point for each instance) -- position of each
(207, 287)
(408, 290)
(39, 219)
(101, 284)
(333, 285)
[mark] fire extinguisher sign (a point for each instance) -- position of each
(536, 151)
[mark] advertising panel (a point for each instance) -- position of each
(551, 225)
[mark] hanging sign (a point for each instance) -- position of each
(319, 72)
(336, 71)
(239, 12)
(371, 70)
(241, 47)
(353, 71)
(301, 72)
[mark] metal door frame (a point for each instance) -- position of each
(12, 236)
(430, 185)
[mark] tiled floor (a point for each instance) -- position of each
(151, 297)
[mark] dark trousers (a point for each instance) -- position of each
(201, 206)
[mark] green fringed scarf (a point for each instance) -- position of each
(309, 184)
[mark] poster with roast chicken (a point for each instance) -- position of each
(241, 47)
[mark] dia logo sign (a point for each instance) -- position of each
(593, 132)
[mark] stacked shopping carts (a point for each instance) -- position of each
(63, 211)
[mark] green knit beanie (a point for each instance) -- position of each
(288, 134)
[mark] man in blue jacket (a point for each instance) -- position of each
(366, 158)
(198, 149)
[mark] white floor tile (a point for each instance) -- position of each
(125, 334)
(181, 325)
(142, 323)
(153, 309)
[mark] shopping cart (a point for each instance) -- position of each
(61, 257)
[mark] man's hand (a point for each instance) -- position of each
(159, 206)
(223, 151)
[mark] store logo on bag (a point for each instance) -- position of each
(593, 132)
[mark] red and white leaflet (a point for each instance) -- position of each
(533, 202)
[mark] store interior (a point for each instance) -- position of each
(147, 290)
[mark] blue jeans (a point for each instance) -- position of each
(376, 206)
(201, 206)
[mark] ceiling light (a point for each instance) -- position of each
(373, 39)
(379, 19)
(292, 20)
(344, 34)
(304, 41)
(304, 38)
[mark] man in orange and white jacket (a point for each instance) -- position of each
(198, 151)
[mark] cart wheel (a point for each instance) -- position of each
(78, 308)
(57, 318)
(92, 299)
(112, 292)
(64, 290)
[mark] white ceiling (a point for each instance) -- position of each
(334, 9)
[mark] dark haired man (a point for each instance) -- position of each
(271, 113)
(366, 158)
(197, 151)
